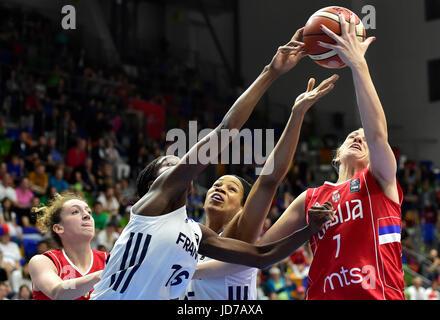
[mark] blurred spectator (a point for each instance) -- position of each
(43, 246)
(9, 217)
(55, 157)
(109, 201)
(39, 181)
(88, 176)
(261, 295)
(51, 193)
(276, 285)
(58, 180)
(112, 155)
(98, 154)
(24, 197)
(107, 236)
(76, 155)
(7, 189)
(16, 167)
(300, 293)
(24, 293)
(432, 292)
(100, 216)
(4, 291)
(406, 239)
(42, 149)
(194, 204)
(416, 291)
(11, 253)
(433, 271)
(428, 224)
(3, 272)
(128, 192)
(20, 277)
(21, 147)
(105, 177)
(31, 235)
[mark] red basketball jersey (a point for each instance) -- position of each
(358, 256)
(67, 270)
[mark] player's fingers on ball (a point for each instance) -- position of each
(344, 24)
(285, 48)
(310, 84)
(326, 45)
(296, 43)
(329, 32)
(352, 25)
(297, 34)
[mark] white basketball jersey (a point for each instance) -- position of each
(238, 286)
(153, 259)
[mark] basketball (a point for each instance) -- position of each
(329, 17)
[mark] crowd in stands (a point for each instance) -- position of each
(69, 124)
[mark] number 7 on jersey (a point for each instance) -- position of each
(338, 244)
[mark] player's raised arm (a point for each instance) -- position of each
(189, 166)
(246, 225)
(261, 256)
(382, 161)
(45, 278)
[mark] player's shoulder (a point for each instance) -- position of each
(42, 261)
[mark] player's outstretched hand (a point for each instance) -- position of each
(347, 46)
(289, 55)
(307, 99)
(319, 215)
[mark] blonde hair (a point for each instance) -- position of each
(50, 214)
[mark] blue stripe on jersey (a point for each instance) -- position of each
(141, 259)
(389, 229)
(124, 260)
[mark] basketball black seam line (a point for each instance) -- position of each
(324, 34)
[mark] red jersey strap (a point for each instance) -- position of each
(53, 255)
(371, 179)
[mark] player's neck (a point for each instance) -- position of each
(216, 224)
(347, 172)
(80, 254)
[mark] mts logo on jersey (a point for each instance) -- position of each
(188, 245)
(366, 276)
(345, 212)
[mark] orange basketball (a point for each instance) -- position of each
(329, 17)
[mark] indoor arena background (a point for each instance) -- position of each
(94, 104)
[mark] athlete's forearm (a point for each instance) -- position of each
(258, 256)
(370, 108)
(74, 288)
(382, 161)
(276, 251)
